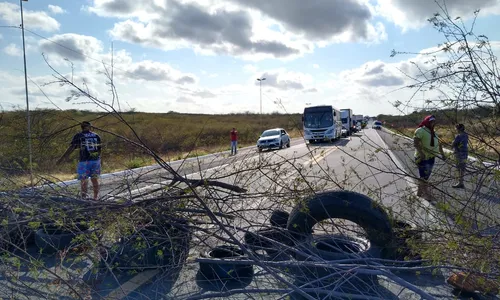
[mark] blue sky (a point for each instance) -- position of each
(204, 56)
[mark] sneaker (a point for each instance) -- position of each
(458, 186)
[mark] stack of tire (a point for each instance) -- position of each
(161, 246)
(291, 237)
(51, 238)
(155, 246)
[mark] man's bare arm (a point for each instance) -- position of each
(66, 154)
(441, 151)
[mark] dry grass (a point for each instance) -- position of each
(172, 136)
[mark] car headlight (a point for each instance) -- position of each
(308, 132)
(329, 131)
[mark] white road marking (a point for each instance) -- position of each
(314, 160)
(165, 182)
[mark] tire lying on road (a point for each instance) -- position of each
(224, 275)
(279, 218)
(153, 247)
(348, 205)
(331, 248)
(50, 238)
(263, 240)
(13, 235)
(400, 249)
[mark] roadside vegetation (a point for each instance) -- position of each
(173, 136)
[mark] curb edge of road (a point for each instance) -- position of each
(129, 172)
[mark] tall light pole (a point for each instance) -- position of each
(260, 84)
(27, 99)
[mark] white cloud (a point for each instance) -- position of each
(71, 46)
(10, 13)
(154, 71)
(56, 9)
(414, 14)
(12, 50)
(241, 28)
(316, 66)
(282, 79)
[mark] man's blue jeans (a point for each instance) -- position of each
(234, 147)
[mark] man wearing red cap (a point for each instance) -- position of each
(427, 147)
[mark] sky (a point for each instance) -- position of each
(204, 56)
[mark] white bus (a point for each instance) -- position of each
(321, 123)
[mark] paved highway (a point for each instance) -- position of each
(276, 180)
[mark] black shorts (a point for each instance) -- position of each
(461, 163)
(425, 168)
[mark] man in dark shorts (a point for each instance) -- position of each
(461, 152)
(427, 147)
(89, 165)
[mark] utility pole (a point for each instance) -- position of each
(27, 99)
(260, 84)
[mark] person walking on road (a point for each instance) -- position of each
(461, 151)
(234, 141)
(427, 147)
(89, 165)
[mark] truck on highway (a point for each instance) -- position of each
(357, 121)
(346, 118)
(321, 122)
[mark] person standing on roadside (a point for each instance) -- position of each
(89, 165)
(461, 151)
(427, 147)
(234, 141)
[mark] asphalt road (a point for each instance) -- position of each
(275, 180)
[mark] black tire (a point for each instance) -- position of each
(331, 248)
(288, 145)
(155, 247)
(348, 205)
(279, 218)
(400, 249)
(257, 240)
(220, 276)
(281, 145)
(51, 239)
(334, 247)
(13, 236)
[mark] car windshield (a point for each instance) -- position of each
(270, 133)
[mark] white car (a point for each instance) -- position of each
(344, 132)
(358, 126)
(273, 138)
(377, 125)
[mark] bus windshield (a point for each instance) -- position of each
(318, 119)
